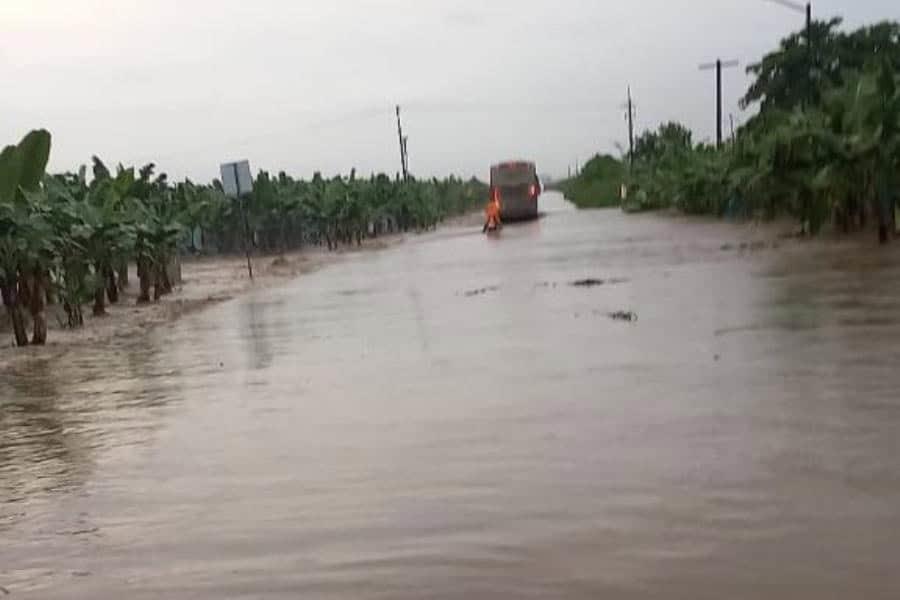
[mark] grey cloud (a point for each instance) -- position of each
(308, 85)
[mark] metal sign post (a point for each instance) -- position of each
(237, 182)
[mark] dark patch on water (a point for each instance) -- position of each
(739, 329)
(868, 321)
(481, 291)
(593, 282)
(623, 315)
(753, 246)
(352, 293)
(77, 532)
(588, 282)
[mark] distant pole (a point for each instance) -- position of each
(718, 66)
(809, 51)
(630, 129)
(731, 116)
(402, 146)
(718, 103)
(570, 171)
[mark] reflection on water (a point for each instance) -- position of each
(58, 415)
(38, 450)
(371, 431)
(255, 331)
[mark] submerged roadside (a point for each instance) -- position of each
(205, 282)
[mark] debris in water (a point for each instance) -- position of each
(753, 246)
(591, 282)
(481, 291)
(623, 315)
(588, 282)
(80, 531)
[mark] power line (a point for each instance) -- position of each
(487, 107)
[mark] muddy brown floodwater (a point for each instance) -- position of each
(451, 418)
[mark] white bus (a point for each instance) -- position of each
(517, 186)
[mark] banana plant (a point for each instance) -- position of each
(72, 272)
(157, 233)
(25, 246)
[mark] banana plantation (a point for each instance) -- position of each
(824, 147)
(69, 239)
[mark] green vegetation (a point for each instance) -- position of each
(825, 145)
(598, 185)
(66, 239)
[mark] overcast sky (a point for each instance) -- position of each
(303, 85)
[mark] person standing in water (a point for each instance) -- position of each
(492, 214)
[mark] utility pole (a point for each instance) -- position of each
(809, 52)
(406, 156)
(731, 116)
(807, 10)
(718, 66)
(630, 129)
(402, 139)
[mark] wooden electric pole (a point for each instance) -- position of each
(809, 51)
(718, 66)
(806, 9)
(403, 158)
(406, 157)
(630, 129)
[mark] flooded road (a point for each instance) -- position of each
(451, 419)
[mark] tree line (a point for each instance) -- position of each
(69, 238)
(823, 147)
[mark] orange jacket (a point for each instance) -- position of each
(492, 211)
